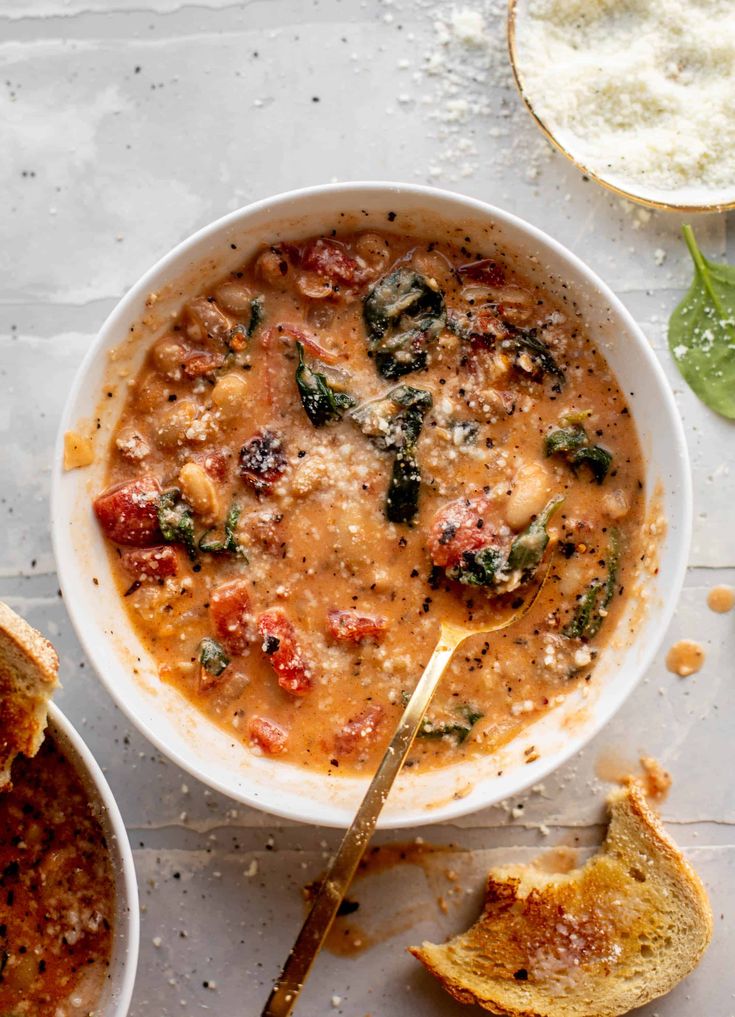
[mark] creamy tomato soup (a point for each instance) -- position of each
(341, 444)
(56, 892)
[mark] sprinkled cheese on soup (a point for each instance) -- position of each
(341, 444)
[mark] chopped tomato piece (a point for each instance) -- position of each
(262, 461)
(484, 271)
(460, 526)
(359, 730)
(201, 362)
(128, 512)
(151, 562)
(229, 609)
(270, 737)
(286, 331)
(348, 627)
(281, 648)
(329, 259)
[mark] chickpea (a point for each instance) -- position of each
(233, 296)
(433, 265)
(173, 423)
(152, 393)
(199, 490)
(373, 250)
(206, 320)
(531, 491)
(167, 355)
(229, 395)
(313, 286)
(272, 268)
(517, 303)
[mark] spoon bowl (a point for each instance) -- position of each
(343, 866)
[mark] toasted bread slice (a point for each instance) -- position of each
(594, 942)
(28, 676)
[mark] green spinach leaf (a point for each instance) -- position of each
(596, 458)
(459, 731)
(321, 402)
(528, 547)
(479, 568)
(526, 340)
(402, 498)
(592, 605)
(572, 443)
(212, 657)
(565, 439)
(228, 544)
(404, 314)
(176, 521)
(702, 331)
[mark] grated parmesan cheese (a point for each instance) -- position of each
(639, 91)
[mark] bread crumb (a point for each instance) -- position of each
(656, 780)
(78, 451)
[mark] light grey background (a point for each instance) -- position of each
(128, 124)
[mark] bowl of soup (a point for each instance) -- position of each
(69, 903)
(326, 423)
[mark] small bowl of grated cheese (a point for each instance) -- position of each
(636, 93)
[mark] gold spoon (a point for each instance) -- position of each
(344, 864)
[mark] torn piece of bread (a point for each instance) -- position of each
(28, 676)
(594, 942)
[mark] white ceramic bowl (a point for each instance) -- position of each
(173, 724)
(121, 978)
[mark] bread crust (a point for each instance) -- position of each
(28, 676)
(598, 941)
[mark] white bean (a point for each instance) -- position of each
(199, 490)
(531, 491)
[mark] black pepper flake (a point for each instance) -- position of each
(391, 216)
(521, 975)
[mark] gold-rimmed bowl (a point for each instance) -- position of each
(689, 199)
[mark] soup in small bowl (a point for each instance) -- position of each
(68, 907)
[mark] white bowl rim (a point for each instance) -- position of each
(128, 909)
(121, 313)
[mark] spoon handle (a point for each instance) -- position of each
(344, 864)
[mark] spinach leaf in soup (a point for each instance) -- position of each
(457, 730)
(322, 402)
(393, 423)
(228, 544)
(592, 604)
(402, 498)
(176, 521)
(531, 353)
(238, 336)
(212, 657)
(528, 547)
(702, 331)
(404, 314)
(574, 445)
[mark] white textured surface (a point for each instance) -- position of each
(102, 170)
